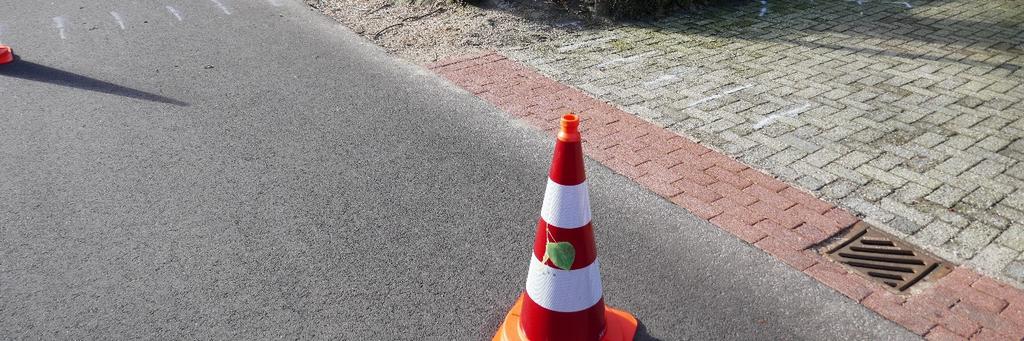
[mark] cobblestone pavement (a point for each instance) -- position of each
(907, 113)
(785, 222)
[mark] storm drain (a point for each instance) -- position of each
(884, 258)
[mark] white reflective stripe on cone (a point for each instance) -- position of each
(563, 290)
(564, 206)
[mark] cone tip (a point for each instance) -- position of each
(570, 128)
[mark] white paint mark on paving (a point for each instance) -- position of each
(724, 93)
(61, 23)
(625, 60)
(674, 74)
(738, 88)
(773, 117)
(275, 3)
(705, 99)
(222, 7)
(576, 46)
(174, 12)
(764, 8)
(118, 19)
(661, 80)
(904, 3)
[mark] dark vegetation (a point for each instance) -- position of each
(636, 9)
(623, 9)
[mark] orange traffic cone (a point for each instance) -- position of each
(563, 298)
(6, 54)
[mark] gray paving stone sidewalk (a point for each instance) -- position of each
(907, 113)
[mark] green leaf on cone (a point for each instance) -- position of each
(561, 254)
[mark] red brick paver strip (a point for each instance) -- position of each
(780, 219)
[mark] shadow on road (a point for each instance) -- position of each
(42, 73)
(642, 335)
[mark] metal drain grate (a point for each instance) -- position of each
(884, 259)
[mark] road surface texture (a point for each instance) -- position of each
(251, 170)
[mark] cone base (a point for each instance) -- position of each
(6, 55)
(619, 325)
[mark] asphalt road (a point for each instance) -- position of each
(268, 174)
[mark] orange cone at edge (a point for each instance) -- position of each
(618, 325)
(6, 54)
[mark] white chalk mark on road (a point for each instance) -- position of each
(904, 3)
(118, 19)
(174, 12)
(773, 117)
(764, 8)
(576, 46)
(222, 7)
(724, 93)
(625, 60)
(60, 23)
